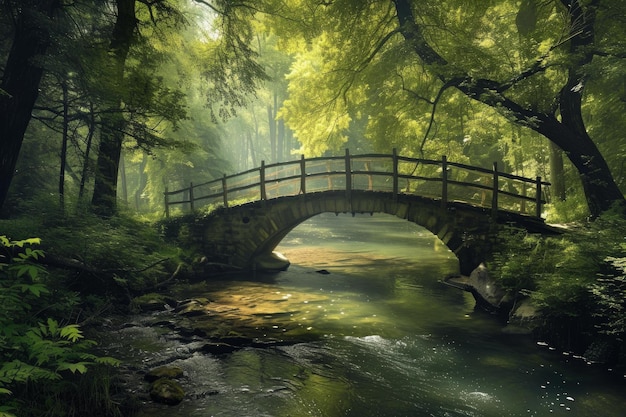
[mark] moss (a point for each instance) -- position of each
(166, 391)
(151, 302)
(170, 372)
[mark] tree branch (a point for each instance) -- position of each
(210, 6)
(432, 115)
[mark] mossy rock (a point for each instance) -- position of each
(166, 391)
(170, 372)
(152, 302)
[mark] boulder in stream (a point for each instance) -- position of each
(488, 294)
(166, 391)
(485, 289)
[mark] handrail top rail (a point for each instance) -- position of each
(361, 156)
(265, 180)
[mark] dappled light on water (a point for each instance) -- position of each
(360, 326)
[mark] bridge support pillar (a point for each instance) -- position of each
(274, 261)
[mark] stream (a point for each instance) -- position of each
(359, 325)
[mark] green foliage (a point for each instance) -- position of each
(34, 349)
(580, 275)
(116, 258)
(610, 293)
(571, 210)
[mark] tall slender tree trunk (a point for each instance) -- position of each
(272, 125)
(86, 162)
(280, 140)
(252, 151)
(104, 200)
(19, 87)
(557, 173)
(143, 181)
(123, 178)
(64, 145)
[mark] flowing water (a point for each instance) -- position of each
(379, 336)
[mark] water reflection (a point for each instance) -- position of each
(380, 336)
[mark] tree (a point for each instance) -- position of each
(569, 131)
(534, 62)
(22, 72)
(113, 123)
(112, 56)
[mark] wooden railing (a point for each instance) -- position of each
(439, 179)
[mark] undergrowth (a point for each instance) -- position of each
(38, 349)
(576, 280)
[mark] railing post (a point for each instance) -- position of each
(167, 203)
(538, 198)
(444, 182)
(394, 158)
(302, 175)
(191, 196)
(494, 196)
(262, 181)
(225, 191)
(330, 179)
(348, 167)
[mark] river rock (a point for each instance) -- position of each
(171, 372)
(166, 391)
(153, 302)
(485, 290)
(217, 348)
(524, 317)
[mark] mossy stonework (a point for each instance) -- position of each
(245, 236)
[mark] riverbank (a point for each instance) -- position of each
(519, 315)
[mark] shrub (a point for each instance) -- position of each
(34, 349)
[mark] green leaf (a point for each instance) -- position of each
(80, 367)
(71, 332)
(33, 241)
(35, 289)
(53, 327)
(107, 360)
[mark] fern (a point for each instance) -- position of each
(30, 350)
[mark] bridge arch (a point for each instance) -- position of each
(245, 236)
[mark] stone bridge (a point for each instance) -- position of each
(245, 236)
(463, 205)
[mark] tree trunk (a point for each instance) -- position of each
(280, 140)
(64, 145)
(272, 125)
(143, 181)
(113, 122)
(601, 191)
(19, 87)
(86, 162)
(123, 178)
(557, 173)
